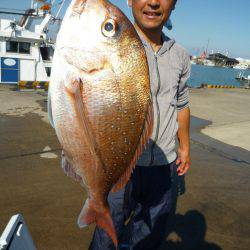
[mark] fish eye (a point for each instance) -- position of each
(109, 27)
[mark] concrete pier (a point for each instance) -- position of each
(212, 214)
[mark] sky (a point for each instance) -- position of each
(223, 25)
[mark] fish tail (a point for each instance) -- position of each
(101, 217)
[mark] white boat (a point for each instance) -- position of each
(241, 66)
(243, 80)
(25, 50)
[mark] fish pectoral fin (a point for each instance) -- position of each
(72, 82)
(101, 217)
(86, 127)
(148, 127)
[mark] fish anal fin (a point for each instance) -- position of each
(68, 169)
(148, 127)
(101, 217)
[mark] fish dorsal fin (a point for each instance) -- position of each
(148, 127)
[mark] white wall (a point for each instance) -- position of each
(27, 70)
(41, 73)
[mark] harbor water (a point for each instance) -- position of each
(214, 75)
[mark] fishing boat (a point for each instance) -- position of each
(26, 51)
(244, 80)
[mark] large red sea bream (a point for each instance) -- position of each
(101, 105)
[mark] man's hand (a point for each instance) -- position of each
(183, 161)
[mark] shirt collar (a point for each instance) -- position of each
(167, 43)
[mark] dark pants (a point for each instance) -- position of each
(144, 206)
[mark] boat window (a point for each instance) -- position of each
(12, 46)
(18, 47)
(24, 48)
(47, 53)
(48, 71)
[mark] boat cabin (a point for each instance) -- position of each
(25, 55)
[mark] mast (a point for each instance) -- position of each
(207, 46)
(60, 8)
(32, 4)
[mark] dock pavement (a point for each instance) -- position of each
(212, 214)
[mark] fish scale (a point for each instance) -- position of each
(101, 103)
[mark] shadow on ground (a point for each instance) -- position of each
(188, 233)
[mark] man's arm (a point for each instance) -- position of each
(183, 118)
(183, 159)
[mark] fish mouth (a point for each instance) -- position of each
(79, 6)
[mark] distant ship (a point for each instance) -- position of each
(241, 66)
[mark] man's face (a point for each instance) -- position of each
(151, 14)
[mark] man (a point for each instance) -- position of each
(145, 203)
